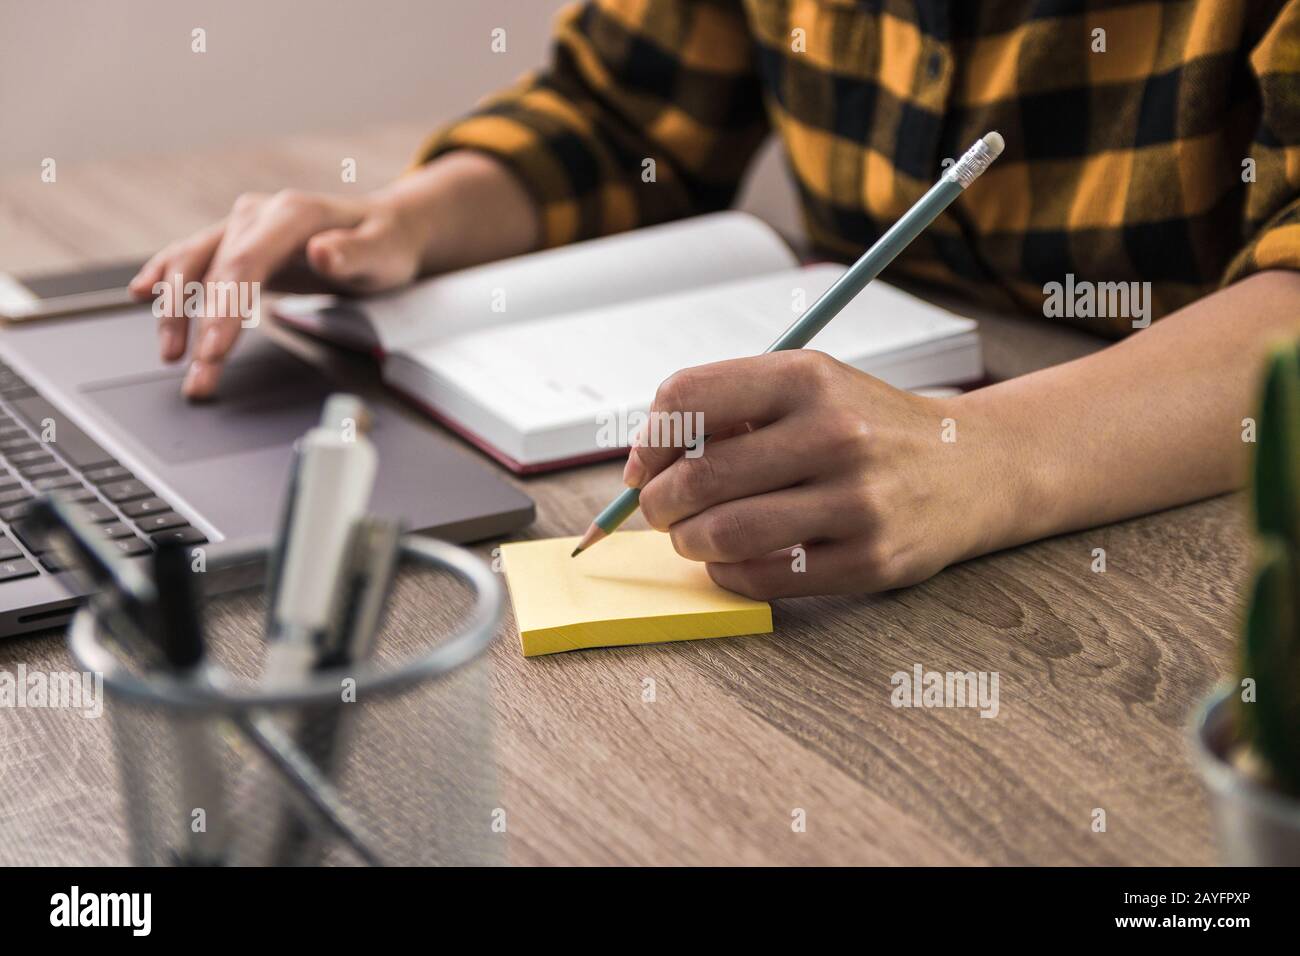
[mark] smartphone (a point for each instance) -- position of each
(64, 293)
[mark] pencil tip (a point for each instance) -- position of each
(594, 534)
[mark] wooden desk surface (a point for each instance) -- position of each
(1099, 673)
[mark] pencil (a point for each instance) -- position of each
(951, 184)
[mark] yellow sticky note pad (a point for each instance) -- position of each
(630, 588)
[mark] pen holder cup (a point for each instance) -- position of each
(387, 762)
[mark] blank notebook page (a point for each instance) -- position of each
(630, 588)
(572, 368)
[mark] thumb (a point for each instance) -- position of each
(365, 256)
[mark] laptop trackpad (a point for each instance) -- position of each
(264, 402)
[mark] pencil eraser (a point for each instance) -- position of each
(994, 142)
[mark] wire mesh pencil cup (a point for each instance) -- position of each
(387, 762)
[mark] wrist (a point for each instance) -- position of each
(1008, 484)
(415, 207)
(462, 209)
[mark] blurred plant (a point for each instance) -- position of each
(1271, 648)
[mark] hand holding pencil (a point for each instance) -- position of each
(950, 185)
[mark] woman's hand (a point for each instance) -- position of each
(880, 488)
(460, 210)
(360, 244)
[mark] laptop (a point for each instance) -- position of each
(88, 409)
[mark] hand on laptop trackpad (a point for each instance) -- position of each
(264, 401)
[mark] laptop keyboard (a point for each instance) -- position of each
(124, 508)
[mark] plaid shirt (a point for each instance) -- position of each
(1164, 149)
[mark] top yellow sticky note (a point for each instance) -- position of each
(631, 588)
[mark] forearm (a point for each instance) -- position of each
(1149, 423)
(463, 209)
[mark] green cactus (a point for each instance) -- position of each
(1271, 649)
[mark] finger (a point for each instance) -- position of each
(335, 253)
(197, 248)
(201, 379)
(142, 283)
(756, 390)
(183, 262)
(750, 528)
(767, 459)
(252, 254)
(724, 434)
(831, 568)
(366, 257)
(265, 241)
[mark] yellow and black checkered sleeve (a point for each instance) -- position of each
(649, 111)
(1272, 171)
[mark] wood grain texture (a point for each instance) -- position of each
(1099, 673)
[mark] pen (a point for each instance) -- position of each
(126, 603)
(332, 483)
(373, 558)
(150, 616)
(372, 561)
(334, 477)
(198, 747)
(275, 561)
(882, 252)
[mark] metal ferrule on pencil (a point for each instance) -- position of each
(975, 160)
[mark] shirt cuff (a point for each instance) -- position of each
(1275, 246)
(531, 157)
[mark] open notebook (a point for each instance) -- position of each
(538, 359)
